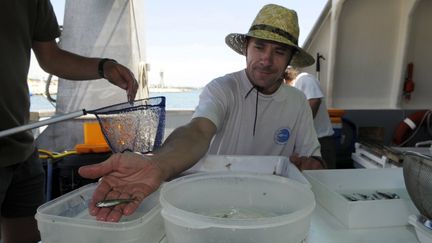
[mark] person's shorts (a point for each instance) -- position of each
(22, 188)
(328, 151)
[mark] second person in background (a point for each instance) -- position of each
(311, 87)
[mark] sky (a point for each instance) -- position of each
(185, 40)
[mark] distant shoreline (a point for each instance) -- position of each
(172, 89)
(37, 87)
(186, 100)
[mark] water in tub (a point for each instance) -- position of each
(239, 213)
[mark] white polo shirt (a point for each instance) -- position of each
(284, 120)
(312, 89)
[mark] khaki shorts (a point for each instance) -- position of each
(22, 188)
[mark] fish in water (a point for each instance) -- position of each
(113, 202)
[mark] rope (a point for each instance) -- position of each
(45, 154)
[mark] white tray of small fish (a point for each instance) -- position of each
(363, 198)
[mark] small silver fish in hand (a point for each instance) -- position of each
(113, 202)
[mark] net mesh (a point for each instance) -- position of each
(417, 170)
(137, 128)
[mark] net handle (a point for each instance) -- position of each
(45, 122)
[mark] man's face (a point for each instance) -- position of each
(266, 62)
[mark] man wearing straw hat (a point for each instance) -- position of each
(248, 112)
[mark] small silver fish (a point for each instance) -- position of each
(350, 197)
(388, 195)
(361, 195)
(113, 202)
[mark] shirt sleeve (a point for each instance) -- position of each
(309, 85)
(46, 26)
(212, 104)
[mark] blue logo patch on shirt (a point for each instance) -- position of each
(282, 135)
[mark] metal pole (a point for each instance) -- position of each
(42, 123)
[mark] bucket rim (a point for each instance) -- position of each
(195, 220)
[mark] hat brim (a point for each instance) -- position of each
(237, 42)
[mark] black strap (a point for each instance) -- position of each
(101, 64)
(256, 105)
(275, 30)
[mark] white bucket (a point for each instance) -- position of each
(236, 207)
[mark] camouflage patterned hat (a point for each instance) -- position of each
(274, 23)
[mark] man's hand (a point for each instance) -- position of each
(121, 76)
(125, 175)
(306, 163)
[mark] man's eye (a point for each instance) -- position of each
(282, 51)
(259, 47)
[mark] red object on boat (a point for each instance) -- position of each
(409, 83)
(407, 126)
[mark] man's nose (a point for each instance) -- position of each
(266, 57)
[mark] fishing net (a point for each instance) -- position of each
(137, 128)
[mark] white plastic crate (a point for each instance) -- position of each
(276, 165)
(330, 185)
(66, 220)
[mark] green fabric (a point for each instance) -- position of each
(21, 22)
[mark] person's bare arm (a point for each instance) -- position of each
(64, 64)
(132, 175)
(308, 163)
(314, 104)
(185, 146)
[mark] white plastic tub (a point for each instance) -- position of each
(66, 220)
(236, 207)
(272, 165)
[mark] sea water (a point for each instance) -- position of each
(187, 100)
(41, 103)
